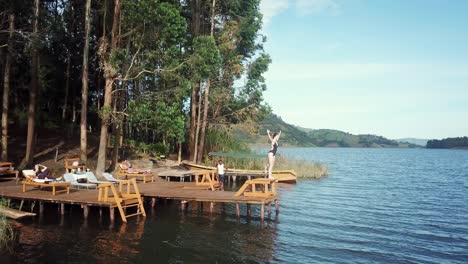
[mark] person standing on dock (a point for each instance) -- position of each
(272, 153)
(221, 171)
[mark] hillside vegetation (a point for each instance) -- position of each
(449, 143)
(305, 137)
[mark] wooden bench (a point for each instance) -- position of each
(205, 180)
(6, 169)
(53, 185)
(125, 175)
(69, 167)
(258, 188)
(127, 196)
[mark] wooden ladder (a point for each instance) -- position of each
(124, 198)
(266, 188)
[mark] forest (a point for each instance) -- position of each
(156, 75)
(448, 143)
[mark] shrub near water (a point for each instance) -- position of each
(304, 169)
(7, 234)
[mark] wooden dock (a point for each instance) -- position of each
(149, 191)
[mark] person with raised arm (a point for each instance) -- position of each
(272, 153)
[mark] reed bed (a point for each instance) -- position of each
(7, 234)
(304, 169)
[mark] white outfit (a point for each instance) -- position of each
(221, 169)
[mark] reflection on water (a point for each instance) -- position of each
(377, 206)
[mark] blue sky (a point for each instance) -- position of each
(388, 67)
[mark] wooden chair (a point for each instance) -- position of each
(6, 168)
(126, 174)
(127, 196)
(205, 180)
(258, 188)
(69, 167)
(39, 183)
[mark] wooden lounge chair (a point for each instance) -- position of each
(124, 173)
(73, 164)
(71, 179)
(124, 198)
(6, 168)
(29, 180)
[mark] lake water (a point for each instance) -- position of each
(377, 206)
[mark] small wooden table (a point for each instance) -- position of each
(49, 184)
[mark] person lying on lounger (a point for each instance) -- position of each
(42, 172)
(127, 166)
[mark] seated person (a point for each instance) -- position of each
(127, 166)
(42, 172)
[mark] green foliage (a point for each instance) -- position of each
(159, 149)
(296, 136)
(448, 143)
(7, 234)
(206, 58)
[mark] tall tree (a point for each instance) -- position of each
(6, 87)
(28, 158)
(207, 93)
(109, 74)
(84, 88)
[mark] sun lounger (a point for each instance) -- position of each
(6, 168)
(111, 178)
(71, 179)
(92, 178)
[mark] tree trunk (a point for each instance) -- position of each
(193, 116)
(67, 87)
(204, 122)
(197, 127)
(196, 6)
(27, 161)
(84, 88)
(109, 75)
(6, 89)
(207, 95)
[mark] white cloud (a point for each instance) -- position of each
(271, 8)
(307, 7)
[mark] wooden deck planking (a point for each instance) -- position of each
(159, 189)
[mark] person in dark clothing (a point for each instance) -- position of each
(42, 172)
(272, 153)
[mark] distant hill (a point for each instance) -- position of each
(306, 137)
(449, 143)
(416, 141)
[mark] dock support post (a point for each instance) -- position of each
(211, 207)
(262, 211)
(100, 212)
(21, 205)
(234, 178)
(62, 208)
(269, 209)
(153, 202)
(111, 213)
(248, 209)
(85, 211)
(277, 206)
(41, 207)
(237, 210)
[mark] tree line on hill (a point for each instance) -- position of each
(448, 143)
(303, 137)
(146, 72)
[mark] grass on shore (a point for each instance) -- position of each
(304, 169)
(7, 234)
